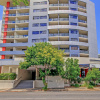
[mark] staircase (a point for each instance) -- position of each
(25, 84)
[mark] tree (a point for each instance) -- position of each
(43, 54)
(17, 2)
(93, 76)
(72, 70)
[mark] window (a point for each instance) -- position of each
(36, 25)
(74, 47)
(74, 39)
(73, 31)
(36, 10)
(73, 2)
(75, 24)
(43, 32)
(35, 17)
(73, 9)
(44, 10)
(35, 32)
(43, 24)
(43, 17)
(74, 55)
(73, 16)
(39, 40)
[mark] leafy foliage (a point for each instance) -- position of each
(43, 54)
(17, 2)
(7, 76)
(93, 76)
(72, 70)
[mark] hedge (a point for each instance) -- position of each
(7, 76)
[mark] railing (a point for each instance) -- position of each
(10, 8)
(6, 59)
(65, 50)
(17, 36)
(55, 34)
(18, 14)
(17, 21)
(83, 21)
(81, 7)
(84, 51)
(13, 29)
(84, 36)
(58, 4)
(60, 34)
(60, 19)
(64, 34)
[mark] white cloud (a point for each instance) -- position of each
(0, 26)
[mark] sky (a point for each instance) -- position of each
(97, 11)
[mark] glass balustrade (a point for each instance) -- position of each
(64, 34)
(81, 7)
(14, 29)
(84, 36)
(83, 21)
(65, 50)
(58, 4)
(17, 36)
(10, 8)
(60, 19)
(84, 51)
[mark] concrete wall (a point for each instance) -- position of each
(6, 84)
(53, 82)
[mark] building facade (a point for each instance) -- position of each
(67, 24)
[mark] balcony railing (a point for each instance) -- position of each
(84, 51)
(60, 19)
(10, 8)
(58, 4)
(64, 34)
(60, 34)
(81, 7)
(17, 36)
(14, 29)
(18, 14)
(17, 21)
(83, 21)
(84, 36)
(65, 50)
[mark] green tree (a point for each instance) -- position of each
(71, 70)
(17, 2)
(43, 54)
(93, 76)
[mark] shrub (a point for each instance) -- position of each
(77, 85)
(90, 86)
(7, 76)
(92, 83)
(79, 79)
(72, 84)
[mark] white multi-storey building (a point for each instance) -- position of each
(67, 24)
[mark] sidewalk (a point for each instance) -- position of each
(51, 90)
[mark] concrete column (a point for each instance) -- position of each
(10, 70)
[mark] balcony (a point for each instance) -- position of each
(65, 50)
(84, 51)
(81, 7)
(11, 37)
(11, 8)
(14, 29)
(60, 34)
(59, 19)
(17, 21)
(18, 14)
(58, 4)
(84, 36)
(83, 21)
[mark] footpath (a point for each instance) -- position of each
(50, 90)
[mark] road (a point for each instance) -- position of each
(68, 95)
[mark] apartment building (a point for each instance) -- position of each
(67, 24)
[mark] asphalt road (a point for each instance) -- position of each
(70, 95)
